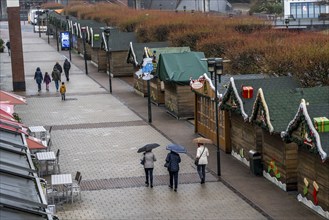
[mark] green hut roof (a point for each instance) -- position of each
(180, 67)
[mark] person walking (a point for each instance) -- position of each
(67, 67)
(59, 67)
(202, 153)
(172, 160)
(56, 75)
(47, 80)
(8, 47)
(62, 90)
(38, 78)
(149, 159)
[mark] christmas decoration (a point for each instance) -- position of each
(247, 92)
(321, 124)
(303, 116)
(315, 192)
(274, 168)
(306, 184)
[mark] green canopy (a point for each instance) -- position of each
(180, 67)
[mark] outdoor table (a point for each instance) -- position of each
(61, 180)
(39, 132)
(46, 157)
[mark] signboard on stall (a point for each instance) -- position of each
(65, 40)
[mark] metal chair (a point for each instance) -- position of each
(76, 189)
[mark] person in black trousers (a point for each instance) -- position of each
(173, 160)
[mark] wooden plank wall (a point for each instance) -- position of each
(102, 60)
(140, 86)
(179, 100)
(285, 157)
(157, 94)
(119, 66)
(243, 135)
(312, 168)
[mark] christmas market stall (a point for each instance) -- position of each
(238, 100)
(272, 111)
(309, 129)
(135, 57)
(157, 86)
(175, 70)
(204, 110)
(98, 56)
(118, 50)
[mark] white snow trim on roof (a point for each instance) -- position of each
(244, 115)
(105, 41)
(303, 108)
(219, 95)
(133, 52)
(260, 95)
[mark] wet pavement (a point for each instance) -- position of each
(98, 134)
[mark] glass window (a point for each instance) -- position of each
(299, 10)
(293, 9)
(311, 10)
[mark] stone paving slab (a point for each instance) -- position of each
(102, 153)
(85, 109)
(192, 201)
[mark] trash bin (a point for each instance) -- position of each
(255, 160)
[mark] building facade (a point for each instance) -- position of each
(304, 8)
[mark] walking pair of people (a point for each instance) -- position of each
(172, 163)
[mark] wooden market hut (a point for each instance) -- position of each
(247, 136)
(313, 149)
(205, 110)
(118, 53)
(175, 70)
(96, 43)
(157, 86)
(135, 57)
(272, 111)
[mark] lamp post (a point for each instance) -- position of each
(215, 67)
(69, 29)
(147, 76)
(38, 20)
(107, 32)
(83, 30)
(47, 13)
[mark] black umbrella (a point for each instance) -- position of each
(148, 147)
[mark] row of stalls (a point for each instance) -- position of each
(120, 55)
(273, 116)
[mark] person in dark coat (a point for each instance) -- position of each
(67, 67)
(56, 75)
(173, 160)
(8, 47)
(58, 67)
(38, 78)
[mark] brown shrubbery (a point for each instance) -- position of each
(251, 44)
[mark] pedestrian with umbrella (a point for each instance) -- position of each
(148, 162)
(172, 163)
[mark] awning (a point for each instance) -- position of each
(11, 98)
(34, 143)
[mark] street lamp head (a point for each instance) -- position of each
(219, 66)
(83, 29)
(67, 17)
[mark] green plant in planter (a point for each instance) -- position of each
(2, 47)
(17, 118)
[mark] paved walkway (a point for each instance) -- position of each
(98, 134)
